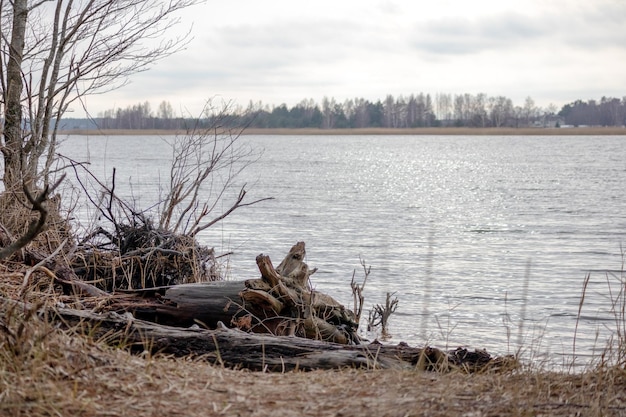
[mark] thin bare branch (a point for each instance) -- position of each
(357, 290)
(238, 204)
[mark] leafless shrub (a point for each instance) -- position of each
(205, 163)
(126, 250)
(379, 316)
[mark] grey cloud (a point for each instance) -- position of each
(596, 26)
(290, 37)
(465, 36)
(280, 55)
(275, 53)
(389, 7)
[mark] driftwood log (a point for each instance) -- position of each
(238, 349)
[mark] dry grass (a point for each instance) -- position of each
(45, 371)
(465, 131)
(66, 374)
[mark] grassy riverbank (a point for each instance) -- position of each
(465, 131)
(66, 374)
(69, 376)
(46, 371)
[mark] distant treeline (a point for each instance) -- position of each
(420, 110)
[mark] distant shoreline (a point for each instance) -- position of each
(436, 131)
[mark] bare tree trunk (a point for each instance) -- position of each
(13, 107)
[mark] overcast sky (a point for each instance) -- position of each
(554, 51)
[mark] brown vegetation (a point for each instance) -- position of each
(448, 131)
(47, 371)
(435, 131)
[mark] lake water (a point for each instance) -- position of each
(485, 241)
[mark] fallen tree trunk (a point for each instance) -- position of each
(239, 349)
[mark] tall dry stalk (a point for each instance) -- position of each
(428, 277)
(581, 302)
(614, 354)
(617, 342)
(522, 320)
